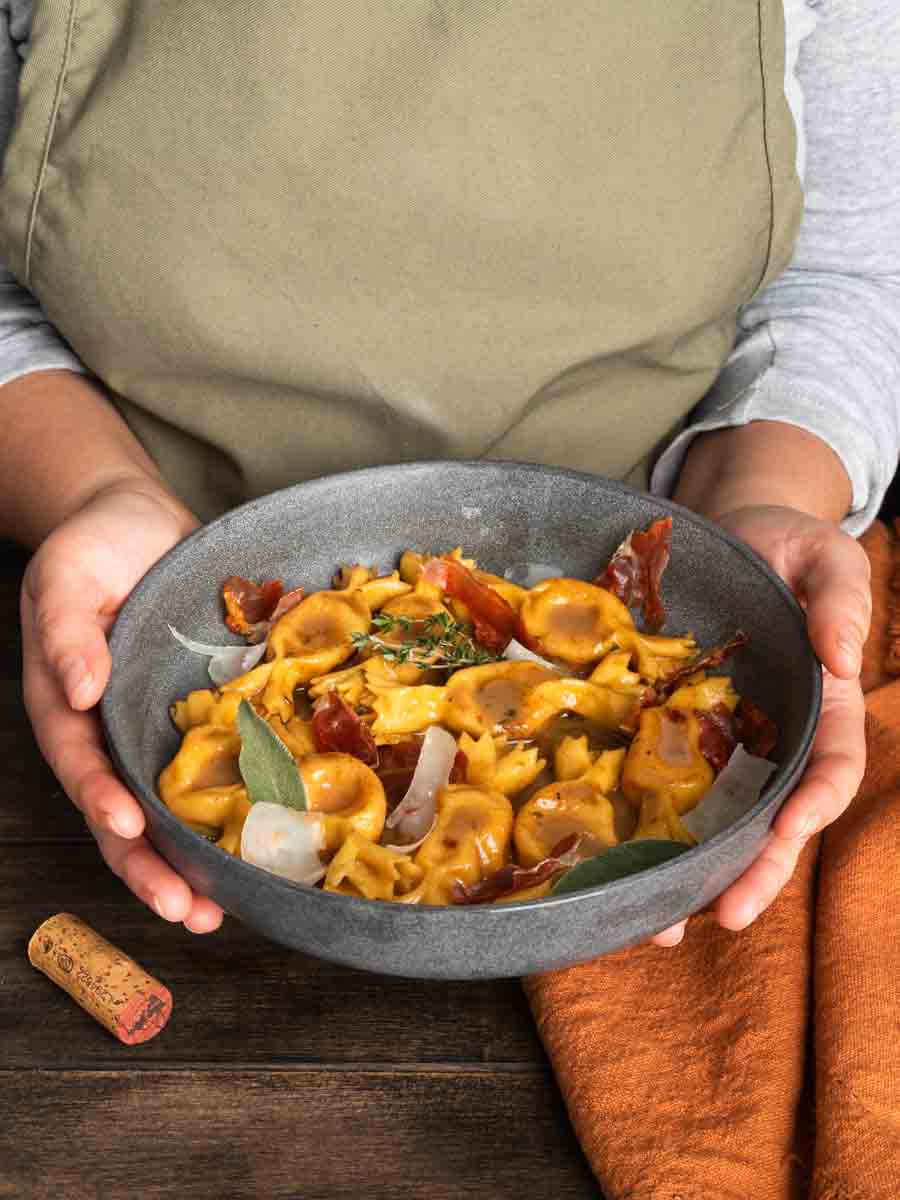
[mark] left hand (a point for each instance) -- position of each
(73, 589)
(829, 573)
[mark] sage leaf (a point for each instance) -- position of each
(267, 766)
(625, 859)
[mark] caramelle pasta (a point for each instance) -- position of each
(459, 738)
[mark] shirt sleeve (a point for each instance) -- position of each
(28, 342)
(820, 346)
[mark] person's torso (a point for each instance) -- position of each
(339, 234)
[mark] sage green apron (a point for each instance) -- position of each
(294, 238)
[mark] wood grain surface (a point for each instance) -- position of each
(310, 1133)
(278, 1075)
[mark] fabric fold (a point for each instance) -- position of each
(682, 1069)
(764, 1063)
(878, 543)
(857, 978)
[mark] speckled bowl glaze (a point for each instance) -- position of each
(508, 515)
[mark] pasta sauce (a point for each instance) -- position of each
(452, 728)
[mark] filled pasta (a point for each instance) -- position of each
(599, 732)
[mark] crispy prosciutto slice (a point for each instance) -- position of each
(338, 729)
(706, 661)
(495, 621)
(721, 731)
(397, 764)
(717, 735)
(755, 730)
(251, 609)
(416, 814)
(634, 573)
(288, 601)
(510, 879)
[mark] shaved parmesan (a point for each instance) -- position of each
(414, 816)
(409, 847)
(284, 841)
(674, 744)
(226, 662)
(519, 653)
(737, 788)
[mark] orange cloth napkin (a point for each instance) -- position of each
(763, 1065)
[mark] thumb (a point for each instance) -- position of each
(835, 580)
(63, 622)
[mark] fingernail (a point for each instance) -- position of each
(74, 673)
(114, 824)
(195, 932)
(851, 647)
(158, 905)
(810, 825)
(748, 914)
(84, 692)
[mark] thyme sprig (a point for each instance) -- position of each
(443, 643)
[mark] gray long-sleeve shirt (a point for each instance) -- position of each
(819, 347)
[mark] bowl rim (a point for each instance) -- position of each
(782, 780)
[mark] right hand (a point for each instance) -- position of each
(73, 588)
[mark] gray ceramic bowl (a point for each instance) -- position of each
(508, 515)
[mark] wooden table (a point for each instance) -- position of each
(278, 1076)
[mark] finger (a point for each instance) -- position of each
(97, 791)
(147, 875)
(72, 744)
(152, 880)
(62, 607)
(836, 764)
(205, 916)
(671, 936)
(742, 903)
(116, 820)
(829, 784)
(838, 604)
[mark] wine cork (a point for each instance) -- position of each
(108, 984)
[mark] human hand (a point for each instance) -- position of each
(73, 588)
(829, 573)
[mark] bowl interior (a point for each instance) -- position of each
(512, 518)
